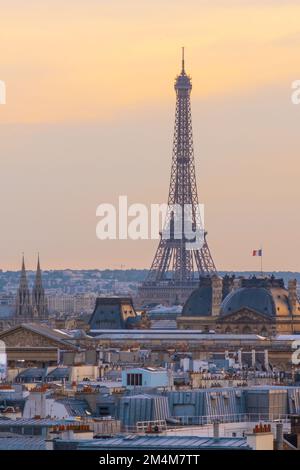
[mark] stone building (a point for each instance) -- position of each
(31, 344)
(259, 305)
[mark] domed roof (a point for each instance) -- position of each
(199, 302)
(258, 299)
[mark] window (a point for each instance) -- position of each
(134, 380)
(104, 411)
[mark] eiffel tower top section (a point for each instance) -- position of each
(183, 82)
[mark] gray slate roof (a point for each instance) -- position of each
(19, 442)
(32, 373)
(59, 373)
(163, 442)
(75, 407)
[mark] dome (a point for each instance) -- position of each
(199, 303)
(259, 299)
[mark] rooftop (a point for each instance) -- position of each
(75, 407)
(172, 334)
(9, 441)
(21, 422)
(164, 442)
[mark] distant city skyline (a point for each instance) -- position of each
(89, 116)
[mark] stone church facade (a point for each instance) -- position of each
(30, 306)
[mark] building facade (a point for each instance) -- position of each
(256, 305)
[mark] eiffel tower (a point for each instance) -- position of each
(177, 267)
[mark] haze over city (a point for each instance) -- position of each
(90, 113)
(150, 264)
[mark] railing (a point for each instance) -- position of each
(161, 426)
(151, 426)
(233, 418)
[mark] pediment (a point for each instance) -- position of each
(247, 316)
(21, 337)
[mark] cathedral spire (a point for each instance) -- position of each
(23, 278)
(39, 300)
(38, 276)
(23, 304)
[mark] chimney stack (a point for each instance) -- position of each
(237, 283)
(216, 429)
(217, 291)
(292, 290)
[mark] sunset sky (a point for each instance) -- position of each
(90, 112)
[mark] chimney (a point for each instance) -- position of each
(237, 283)
(266, 359)
(240, 359)
(216, 429)
(293, 301)
(217, 291)
(253, 357)
(227, 284)
(261, 438)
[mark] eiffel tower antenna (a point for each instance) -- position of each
(176, 268)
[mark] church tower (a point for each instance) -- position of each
(23, 304)
(39, 301)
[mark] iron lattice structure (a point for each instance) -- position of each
(176, 267)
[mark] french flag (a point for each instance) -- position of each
(257, 253)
